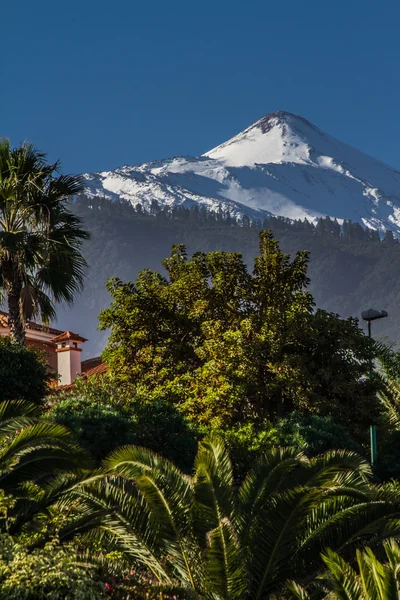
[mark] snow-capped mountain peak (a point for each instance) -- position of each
(277, 137)
(281, 165)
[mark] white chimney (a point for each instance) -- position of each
(68, 356)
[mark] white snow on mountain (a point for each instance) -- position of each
(281, 165)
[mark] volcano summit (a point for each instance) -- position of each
(281, 165)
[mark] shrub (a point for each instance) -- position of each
(51, 573)
(102, 421)
(23, 373)
(98, 427)
(160, 427)
(310, 433)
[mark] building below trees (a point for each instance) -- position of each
(62, 351)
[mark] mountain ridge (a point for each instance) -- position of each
(280, 165)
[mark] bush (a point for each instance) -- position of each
(103, 421)
(23, 373)
(160, 427)
(51, 573)
(310, 433)
(98, 427)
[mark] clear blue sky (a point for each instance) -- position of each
(101, 84)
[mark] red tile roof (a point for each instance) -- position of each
(68, 335)
(30, 325)
(102, 368)
(90, 367)
(89, 363)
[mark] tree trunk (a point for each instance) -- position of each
(16, 321)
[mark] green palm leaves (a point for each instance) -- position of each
(221, 540)
(390, 402)
(373, 580)
(33, 454)
(40, 239)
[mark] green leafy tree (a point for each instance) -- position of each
(40, 239)
(213, 538)
(230, 346)
(24, 374)
(335, 355)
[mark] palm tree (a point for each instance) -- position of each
(390, 403)
(373, 581)
(214, 539)
(34, 455)
(40, 239)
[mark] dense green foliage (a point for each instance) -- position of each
(23, 373)
(232, 347)
(310, 433)
(101, 420)
(40, 238)
(49, 573)
(98, 427)
(348, 272)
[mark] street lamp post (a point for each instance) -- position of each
(369, 316)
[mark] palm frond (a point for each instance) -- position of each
(169, 495)
(344, 581)
(273, 472)
(216, 512)
(38, 450)
(390, 403)
(297, 592)
(291, 524)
